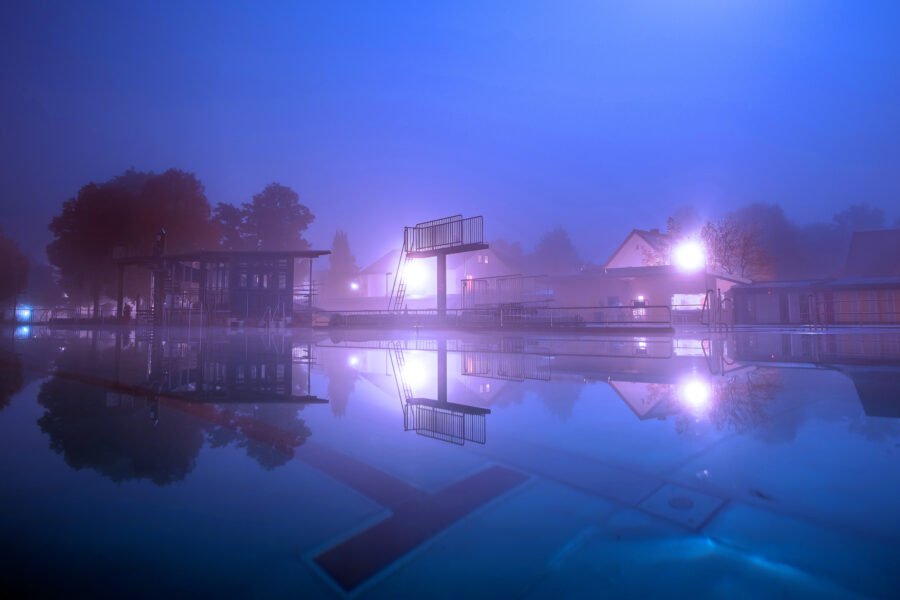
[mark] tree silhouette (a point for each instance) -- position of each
(275, 220)
(555, 253)
(13, 271)
(125, 214)
(342, 266)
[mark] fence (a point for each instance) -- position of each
(513, 317)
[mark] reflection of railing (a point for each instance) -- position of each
(446, 421)
(514, 316)
(510, 367)
(444, 233)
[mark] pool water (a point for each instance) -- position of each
(369, 464)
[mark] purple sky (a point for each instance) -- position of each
(595, 116)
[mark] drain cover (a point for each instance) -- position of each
(681, 503)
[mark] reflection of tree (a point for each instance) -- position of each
(11, 378)
(562, 402)
(269, 433)
(341, 382)
(740, 402)
(115, 434)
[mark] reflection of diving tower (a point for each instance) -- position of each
(439, 419)
(450, 235)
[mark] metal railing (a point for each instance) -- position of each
(511, 317)
(444, 233)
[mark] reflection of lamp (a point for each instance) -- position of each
(415, 372)
(689, 256)
(695, 393)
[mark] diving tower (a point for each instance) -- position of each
(437, 239)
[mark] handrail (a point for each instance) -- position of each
(444, 233)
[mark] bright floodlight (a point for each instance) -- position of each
(353, 361)
(695, 393)
(23, 313)
(416, 275)
(354, 286)
(689, 256)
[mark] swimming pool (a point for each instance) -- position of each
(234, 464)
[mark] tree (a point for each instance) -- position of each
(555, 253)
(860, 217)
(125, 214)
(510, 252)
(230, 220)
(275, 220)
(734, 248)
(342, 268)
(13, 270)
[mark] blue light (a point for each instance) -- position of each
(23, 332)
(23, 313)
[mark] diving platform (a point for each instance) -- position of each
(450, 235)
(436, 239)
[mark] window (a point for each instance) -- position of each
(254, 281)
(687, 301)
(243, 280)
(282, 281)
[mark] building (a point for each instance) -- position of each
(865, 292)
(222, 286)
(639, 275)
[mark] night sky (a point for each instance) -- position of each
(597, 116)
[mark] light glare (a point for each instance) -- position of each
(689, 256)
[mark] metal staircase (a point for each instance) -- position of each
(398, 290)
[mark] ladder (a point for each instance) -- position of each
(398, 290)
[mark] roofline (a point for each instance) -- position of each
(209, 254)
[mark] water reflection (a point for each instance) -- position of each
(142, 404)
(11, 375)
(142, 407)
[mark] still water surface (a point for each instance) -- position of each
(233, 464)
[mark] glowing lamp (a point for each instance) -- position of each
(416, 275)
(689, 256)
(353, 361)
(354, 286)
(23, 313)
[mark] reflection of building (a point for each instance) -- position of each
(870, 360)
(233, 370)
